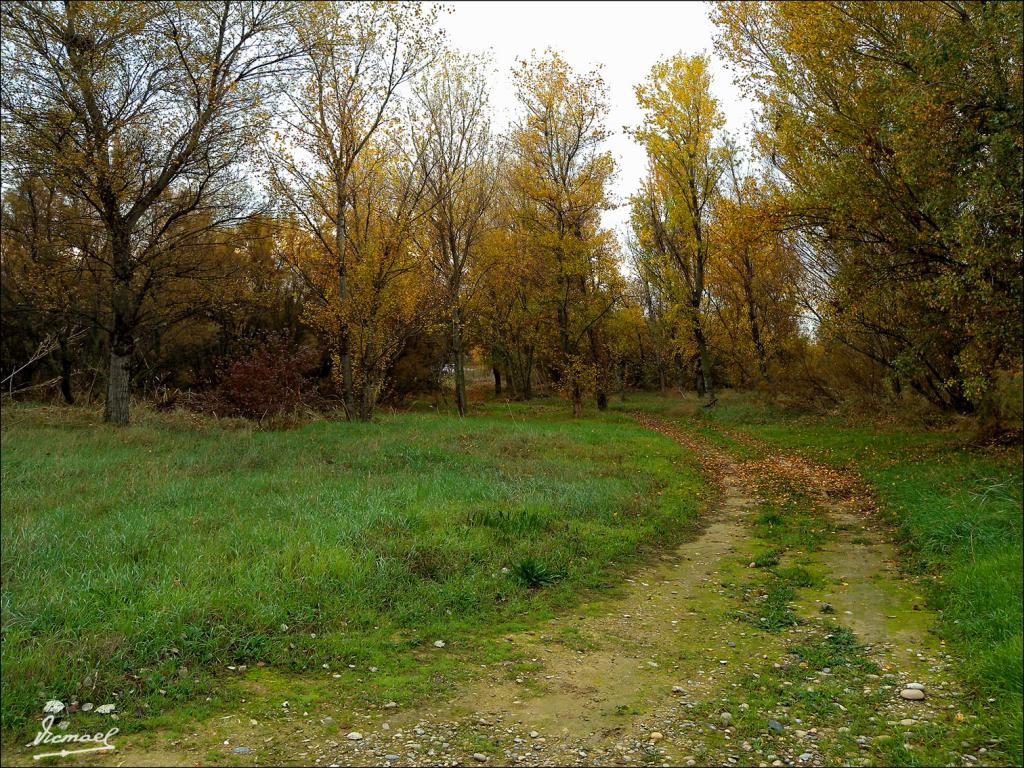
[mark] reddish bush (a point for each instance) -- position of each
(270, 381)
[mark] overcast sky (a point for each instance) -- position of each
(626, 37)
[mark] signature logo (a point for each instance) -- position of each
(47, 736)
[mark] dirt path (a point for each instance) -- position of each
(668, 672)
(645, 678)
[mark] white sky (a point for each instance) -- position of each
(626, 37)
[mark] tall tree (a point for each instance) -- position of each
(357, 57)
(506, 313)
(387, 301)
(657, 295)
(141, 110)
(896, 131)
(672, 212)
(560, 175)
(756, 276)
(457, 157)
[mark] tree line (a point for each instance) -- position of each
(194, 193)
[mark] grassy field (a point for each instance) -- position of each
(139, 563)
(957, 513)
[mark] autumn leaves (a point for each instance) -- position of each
(330, 172)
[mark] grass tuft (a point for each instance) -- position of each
(534, 574)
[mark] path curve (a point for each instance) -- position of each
(647, 661)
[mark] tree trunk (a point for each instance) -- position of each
(755, 325)
(118, 388)
(369, 380)
(681, 370)
(497, 380)
(344, 352)
(527, 387)
(65, 374)
(702, 352)
(122, 338)
(563, 328)
(513, 373)
(460, 366)
(563, 338)
(622, 381)
(347, 387)
(366, 402)
(601, 363)
(577, 400)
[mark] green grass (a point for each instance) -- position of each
(767, 559)
(773, 611)
(957, 514)
(792, 524)
(140, 562)
(796, 576)
(789, 519)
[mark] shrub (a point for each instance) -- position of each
(270, 381)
